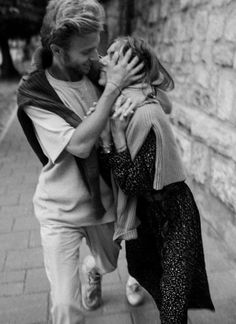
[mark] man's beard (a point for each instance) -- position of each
(76, 71)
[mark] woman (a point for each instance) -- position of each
(165, 252)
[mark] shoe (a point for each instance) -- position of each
(134, 292)
(91, 290)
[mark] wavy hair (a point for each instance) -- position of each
(154, 72)
(65, 19)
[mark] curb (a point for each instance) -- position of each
(8, 123)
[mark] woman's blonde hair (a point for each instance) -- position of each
(67, 18)
(154, 72)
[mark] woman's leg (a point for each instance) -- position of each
(176, 281)
(61, 257)
(143, 261)
(158, 261)
(179, 256)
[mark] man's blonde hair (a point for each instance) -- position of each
(67, 18)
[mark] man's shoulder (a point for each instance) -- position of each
(31, 77)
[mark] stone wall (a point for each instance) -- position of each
(120, 16)
(112, 8)
(196, 41)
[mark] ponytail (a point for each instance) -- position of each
(42, 58)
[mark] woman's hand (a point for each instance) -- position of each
(91, 109)
(124, 109)
(121, 72)
(105, 136)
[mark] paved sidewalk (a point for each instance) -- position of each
(24, 292)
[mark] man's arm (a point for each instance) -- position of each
(87, 132)
(120, 73)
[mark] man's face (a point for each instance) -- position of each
(77, 59)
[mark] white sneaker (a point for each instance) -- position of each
(92, 290)
(134, 292)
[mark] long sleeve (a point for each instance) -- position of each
(134, 177)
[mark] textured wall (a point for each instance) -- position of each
(112, 18)
(196, 41)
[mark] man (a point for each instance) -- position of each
(71, 200)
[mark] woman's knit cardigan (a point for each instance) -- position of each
(168, 165)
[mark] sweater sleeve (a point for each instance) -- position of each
(134, 177)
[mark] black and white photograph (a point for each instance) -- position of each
(117, 161)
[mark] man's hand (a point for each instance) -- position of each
(121, 71)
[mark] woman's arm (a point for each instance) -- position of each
(134, 177)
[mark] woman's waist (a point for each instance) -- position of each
(172, 189)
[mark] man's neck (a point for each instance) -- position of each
(64, 74)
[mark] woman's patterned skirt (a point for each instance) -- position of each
(167, 258)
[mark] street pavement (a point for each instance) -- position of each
(24, 289)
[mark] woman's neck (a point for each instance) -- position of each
(137, 92)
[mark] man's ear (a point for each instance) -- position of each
(56, 50)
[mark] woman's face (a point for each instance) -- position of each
(115, 47)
